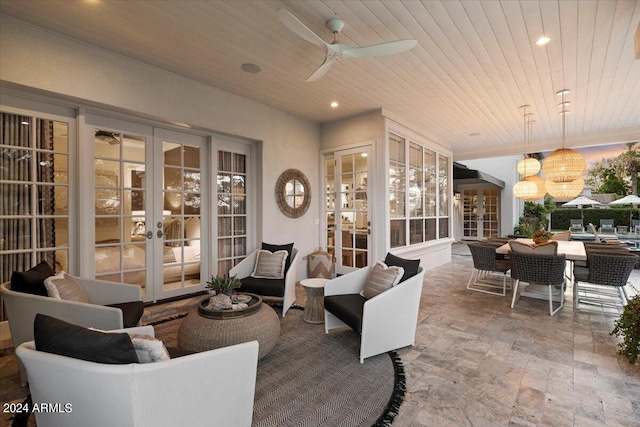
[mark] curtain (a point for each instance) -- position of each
(46, 233)
(16, 188)
(16, 197)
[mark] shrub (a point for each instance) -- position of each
(628, 326)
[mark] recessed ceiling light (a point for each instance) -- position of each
(334, 104)
(25, 122)
(543, 40)
(251, 68)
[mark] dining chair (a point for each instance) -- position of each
(486, 262)
(562, 236)
(605, 268)
(536, 269)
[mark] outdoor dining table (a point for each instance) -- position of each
(572, 250)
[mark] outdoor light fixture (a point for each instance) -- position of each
(528, 189)
(563, 165)
(565, 190)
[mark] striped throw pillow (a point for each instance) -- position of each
(270, 265)
(380, 279)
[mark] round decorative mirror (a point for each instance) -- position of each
(293, 193)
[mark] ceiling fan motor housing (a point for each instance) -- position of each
(335, 25)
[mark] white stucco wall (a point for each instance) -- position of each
(372, 128)
(37, 61)
(503, 168)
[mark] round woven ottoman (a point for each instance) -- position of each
(198, 333)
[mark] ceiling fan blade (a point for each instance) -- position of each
(294, 24)
(321, 71)
(382, 49)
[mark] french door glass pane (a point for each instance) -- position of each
(232, 209)
(34, 187)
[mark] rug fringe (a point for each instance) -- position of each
(397, 397)
(20, 419)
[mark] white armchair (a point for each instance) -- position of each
(22, 309)
(214, 387)
(288, 294)
(389, 320)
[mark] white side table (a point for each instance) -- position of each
(314, 308)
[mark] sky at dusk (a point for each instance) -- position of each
(594, 154)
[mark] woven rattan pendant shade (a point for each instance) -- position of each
(528, 167)
(525, 190)
(540, 185)
(565, 190)
(564, 165)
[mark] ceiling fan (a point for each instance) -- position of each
(336, 51)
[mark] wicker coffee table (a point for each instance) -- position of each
(200, 333)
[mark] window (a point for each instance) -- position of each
(34, 184)
(419, 198)
(232, 210)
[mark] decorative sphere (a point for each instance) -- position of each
(563, 165)
(565, 190)
(528, 166)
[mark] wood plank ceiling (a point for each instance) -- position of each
(476, 61)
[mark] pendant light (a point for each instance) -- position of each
(565, 190)
(528, 188)
(564, 164)
(529, 165)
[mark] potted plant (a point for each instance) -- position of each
(223, 284)
(628, 326)
(541, 236)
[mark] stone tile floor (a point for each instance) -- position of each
(477, 362)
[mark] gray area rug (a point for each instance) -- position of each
(314, 379)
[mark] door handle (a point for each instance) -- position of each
(149, 234)
(160, 234)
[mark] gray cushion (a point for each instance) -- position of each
(63, 286)
(381, 278)
(286, 247)
(270, 265)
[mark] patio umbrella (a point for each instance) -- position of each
(579, 201)
(627, 200)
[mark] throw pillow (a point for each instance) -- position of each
(548, 248)
(275, 248)
(32, 281)
(411, 266)
(380, 279)
(63, 286)
(148, 349)
(56, 336)
(270, 265)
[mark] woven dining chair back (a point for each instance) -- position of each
(611, 269)
(485, 262)
(605, 268)
(537, 269)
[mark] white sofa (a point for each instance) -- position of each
(246, 267)
(214, 387)
(389, 320)
(22, 309)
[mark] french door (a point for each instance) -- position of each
(348, 224)
(148, 202)
(480, 210)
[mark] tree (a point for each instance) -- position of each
(628, 165)
(618, 175)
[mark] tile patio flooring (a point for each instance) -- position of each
(477, 362)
